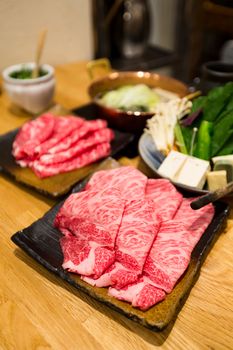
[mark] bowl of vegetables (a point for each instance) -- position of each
(128, 99)
(190, 142)
(33, 95)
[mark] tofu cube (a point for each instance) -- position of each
(187, 170)
(193, 172)
(172, 164)
(226, 165)
(227, 158)
(216, 179)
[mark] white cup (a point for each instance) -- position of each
(33, 95)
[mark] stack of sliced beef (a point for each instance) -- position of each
(131, 234)
(51, 145)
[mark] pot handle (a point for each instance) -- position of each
(103, 63)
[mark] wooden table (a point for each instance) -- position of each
(39, 311)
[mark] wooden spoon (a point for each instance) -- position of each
(39, 49)
(212, 196)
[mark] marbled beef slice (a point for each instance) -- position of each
(93, 219)
(169, 257)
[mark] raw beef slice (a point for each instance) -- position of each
(90, 156)
(169, 256)
(130, 181)
(137, 232)
(63, 127)
(142, 294)
(90, 221)
(164, 196)
(168, 259)
(31, 135)
(91, 140)
(86, 128)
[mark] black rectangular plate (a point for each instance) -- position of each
(61, 184)
(41, 242)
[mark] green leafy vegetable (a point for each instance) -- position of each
(179, 139)
(203, 147)
(131, 98)
(227, 148)
(198, 103)
(187, 136)
(216, 101)
(217, 108)
(229, 106)
(26, 73)
(187, 133)
(223, 130)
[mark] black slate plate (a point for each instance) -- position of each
(41, 241)
(58, 185)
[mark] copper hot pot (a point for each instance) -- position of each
(127, 120)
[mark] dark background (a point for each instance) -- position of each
(203, 32)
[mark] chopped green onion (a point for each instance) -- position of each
(179, 139)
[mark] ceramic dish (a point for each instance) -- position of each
(33, 95)
(60, 184)
(153, 159)
(41, 242)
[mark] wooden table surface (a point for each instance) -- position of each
(39, 311)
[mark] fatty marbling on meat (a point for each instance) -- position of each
(90, 220)
(152, 246)
(164, 200)
(81, 146)
(63, 126)
(130, 181)
(87, 128)
(51, 145)
(165, 197)
(31, 135)
(138, 229)
(108, 182)
(169, 256)
(93, 154)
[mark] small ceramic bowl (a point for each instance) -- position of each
(33, 95)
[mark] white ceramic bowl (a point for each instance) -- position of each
(33, 95)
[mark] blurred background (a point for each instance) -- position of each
(173, 37)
